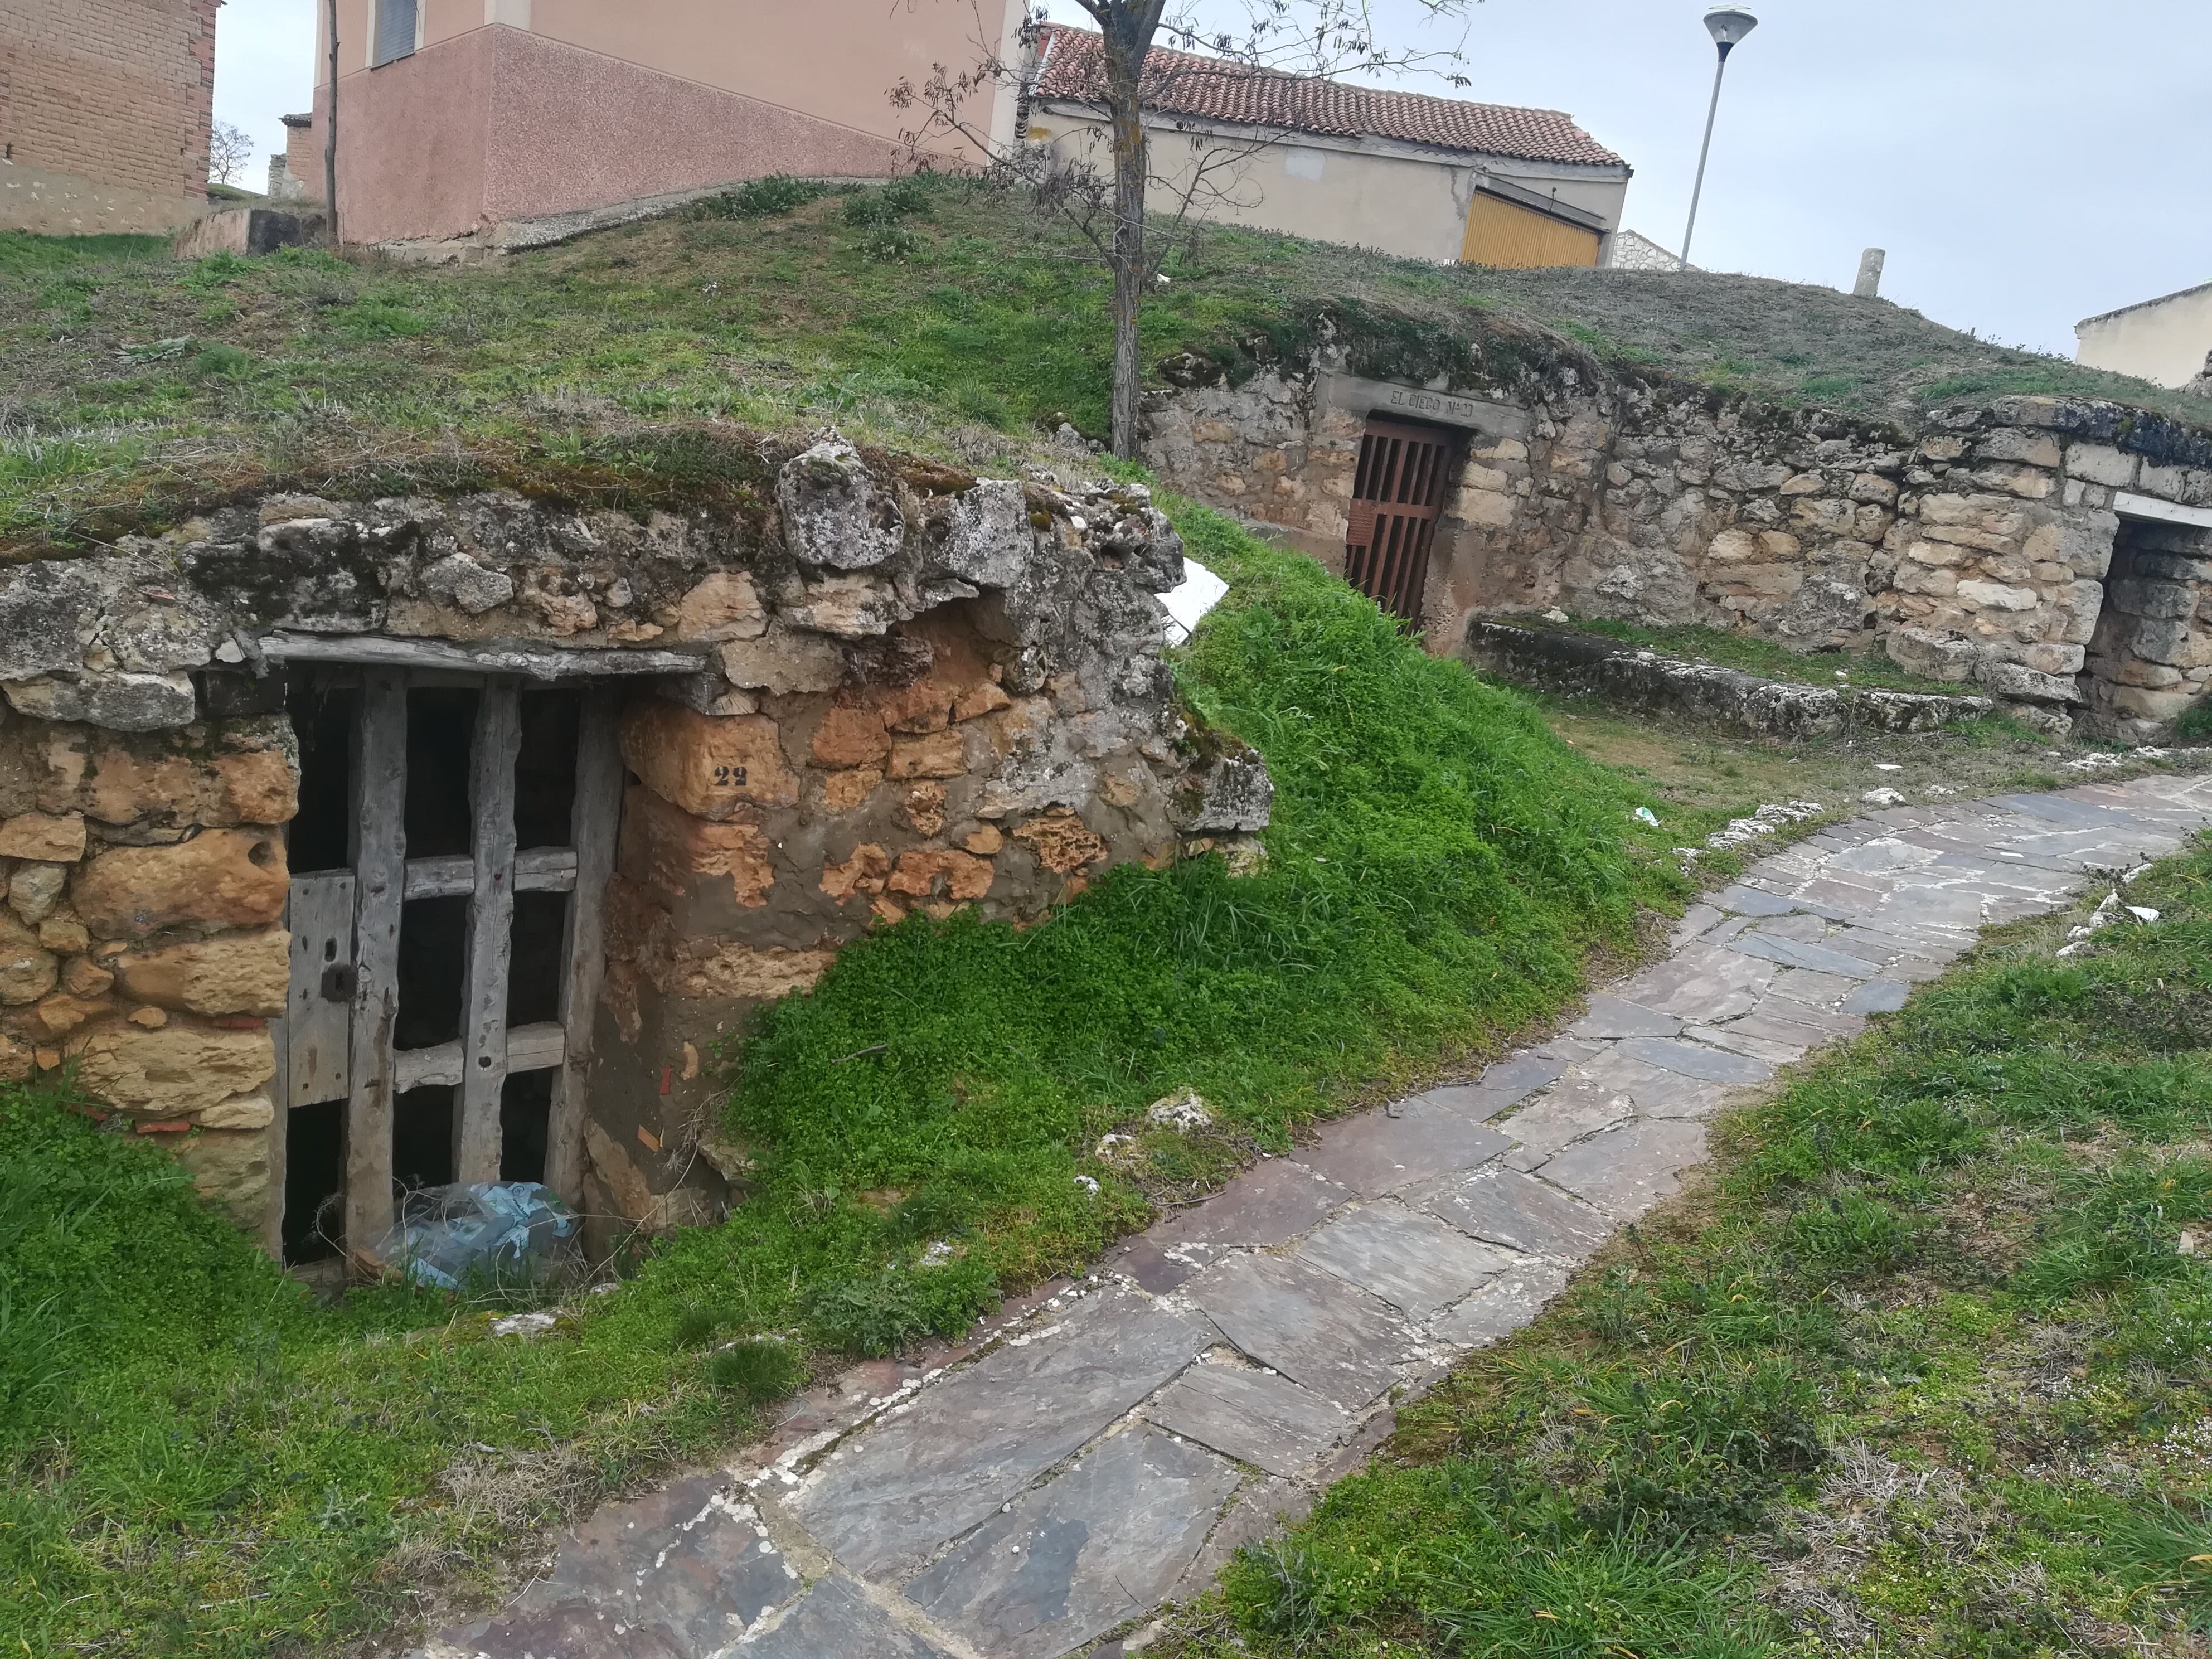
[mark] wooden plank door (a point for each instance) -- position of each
(1397, 495)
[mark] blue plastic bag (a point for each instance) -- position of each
(488, 1232)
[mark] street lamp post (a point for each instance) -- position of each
(1728, 25)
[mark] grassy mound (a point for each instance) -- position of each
(1928, 1365)
(192, 1460)
(933, 314)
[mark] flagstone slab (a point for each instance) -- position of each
(918, 1480)
(683, 1569)
(1877, 996)
(836, 1621)
(1652, 1091)
(1099, 1544)
(1503, 1206)
(1610, 1016)
(1309, 1324)
(1270, 1202)
(1694, 1059)
(1809, 988)
(1410, 1259)
(1791, 953)
(1801, 1034)
(1501, 1088)
(1376, 1153)
(1733, 1039)
(1264, 1507)
(1701, 981)
(1568, 1110)
(1502, 1306)
(1255, 1417)
(1625, 1171)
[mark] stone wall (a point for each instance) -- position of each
(868, 689)
(1972, 548)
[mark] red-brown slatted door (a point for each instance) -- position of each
(1396, 494)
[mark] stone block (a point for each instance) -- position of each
(221, 878)
(2143, 704)
(713, 768)
(666, 850)
(1409, 1258)
(173, 1072)
(1484, 509)
(1998, 596)
(229, 974)
(851, 737)
(1503, 1206)
(1625, 1171)
(781, 663)
(254, 1111)
(2050, 658)
(121, 701)
(935, 755)
(834, 513)
(721, 607)
(34, 890)
(229, 1168)
(2013, 679)
(2029, 483)
(1315, 1328)
(2030, 447)
(2165, 600)
(27, 968)
(2101, 463)
(1276, 1201)
(55, 839)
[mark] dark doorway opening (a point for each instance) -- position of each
(1397, 496)
(321, 834)
(441, 725)
(314, 1182)
(525, 1122)
(423, 1137)
(434, 946)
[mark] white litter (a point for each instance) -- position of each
(1882, 797)
(1555, 616)
(2142, 913)
(1199, 592)
(1087, 1184)
(526, 1324)
(1185, 1110)
(1765, 822)
(1645, 815)
(1887, 766)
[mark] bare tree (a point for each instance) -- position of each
(228, 149)
(331, 134)
(1278, 40)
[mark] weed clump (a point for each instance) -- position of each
(758, 1370)
(761, 198)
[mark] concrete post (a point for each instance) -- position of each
(1869, 286)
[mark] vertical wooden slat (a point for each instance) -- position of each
(595, 820)
(491, 928)
(280, 1123)
(318, 1030)
(381, 872)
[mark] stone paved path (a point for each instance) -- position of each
(1104, 1447)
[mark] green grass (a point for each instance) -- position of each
(195, 1460)
(931, 313)
(1767, 660)
(1924, 1363)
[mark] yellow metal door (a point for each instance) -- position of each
(1503, 234)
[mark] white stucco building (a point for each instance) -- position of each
(1426, 177)
(2167, 341)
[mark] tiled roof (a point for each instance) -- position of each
(1212, 89)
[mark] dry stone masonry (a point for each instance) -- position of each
(1977, 547)
(882, 688)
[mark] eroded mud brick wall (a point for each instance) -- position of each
(1972, 548)
(867, 688)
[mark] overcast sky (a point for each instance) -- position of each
(2026, 163)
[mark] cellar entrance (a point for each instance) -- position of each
(454, 837)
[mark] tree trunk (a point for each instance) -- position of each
(330, 133)
(1130, 169)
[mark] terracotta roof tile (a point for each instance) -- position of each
(1212, 89)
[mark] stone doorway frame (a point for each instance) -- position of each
(351, 920)
(2138, 680)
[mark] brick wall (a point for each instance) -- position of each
(115, 91)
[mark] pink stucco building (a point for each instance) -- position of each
(458, 117)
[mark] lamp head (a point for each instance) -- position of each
(1728, 25)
